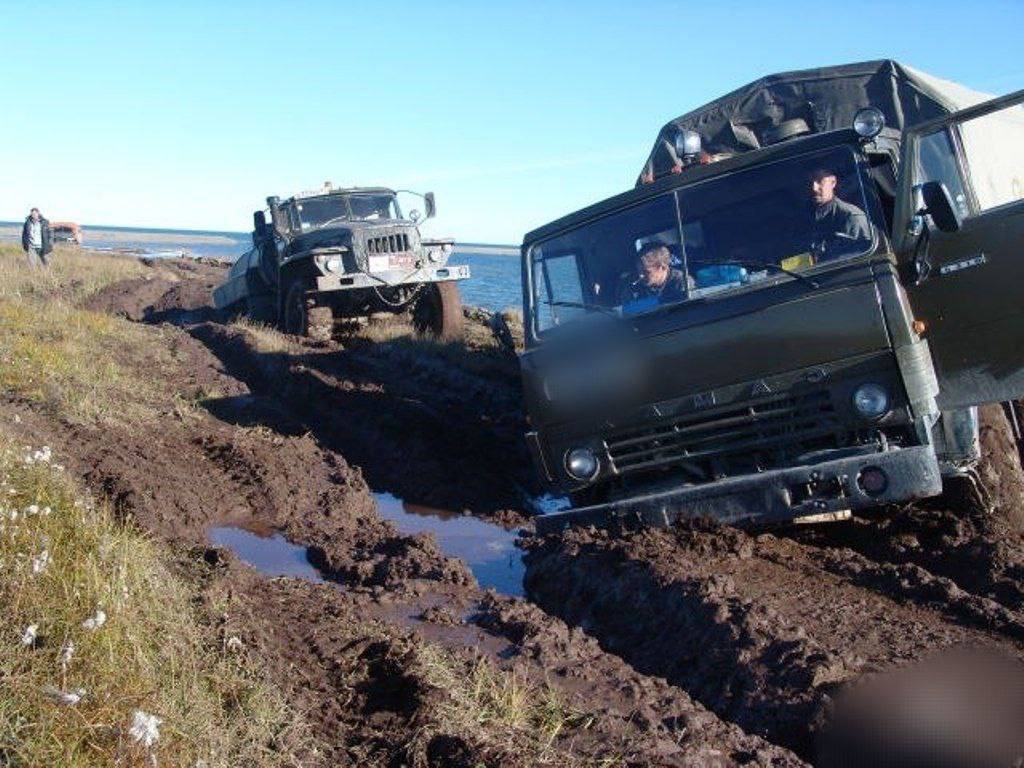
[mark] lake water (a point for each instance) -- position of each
(495, 283)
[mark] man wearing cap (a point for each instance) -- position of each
(838, 228)
(37, 239)
(656, 279)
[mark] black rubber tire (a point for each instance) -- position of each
(261, 308)
(302, 316)
(437, 311)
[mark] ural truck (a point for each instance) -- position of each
(344, 254)
(845, 255)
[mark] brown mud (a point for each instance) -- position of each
(699, 645)
(286, 440)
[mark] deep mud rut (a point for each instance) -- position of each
(696, 646)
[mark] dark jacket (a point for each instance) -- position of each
(673, 289)
(45, 231)
(839, 229)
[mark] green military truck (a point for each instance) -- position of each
(346, 253)
(841, 260)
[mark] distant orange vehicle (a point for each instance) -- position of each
(66, 232)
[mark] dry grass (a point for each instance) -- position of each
(73, 274)
(68, 359)
(501, 708)
(154, 653)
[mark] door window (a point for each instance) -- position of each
(992, 159)
(936, 161)
(559, 288)
(994, 151)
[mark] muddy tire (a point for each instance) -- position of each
(261, 309)
(437, 311)
(302, 316)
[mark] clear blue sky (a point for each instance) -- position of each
(188, 114)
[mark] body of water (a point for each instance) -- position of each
(495, 283)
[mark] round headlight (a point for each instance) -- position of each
(868, 122)
(871, 400)
(334, 264)
(435, 254)
(581, 463)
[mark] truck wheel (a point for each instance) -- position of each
(303, 317)
(261, 309)
(438, 311)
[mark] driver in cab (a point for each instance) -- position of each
(838, 228)
(655, 281)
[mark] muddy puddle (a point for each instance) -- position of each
(489, 550)
(268, 552)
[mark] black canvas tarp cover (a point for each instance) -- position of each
(826, 98)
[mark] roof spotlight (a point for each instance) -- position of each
(687, 143)
(868, 122)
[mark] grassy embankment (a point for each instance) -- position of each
(69, 694)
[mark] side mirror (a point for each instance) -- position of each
(430, 205)
(259, 225)
(938, 204)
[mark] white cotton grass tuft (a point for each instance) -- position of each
(67, 698)
(42, 456)
(95, 621)
(67, 651)
(40, 561)
(145, 728)
(29, 634)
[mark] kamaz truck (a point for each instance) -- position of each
(841, 262)
(344, 254)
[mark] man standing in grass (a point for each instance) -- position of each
(37, 239)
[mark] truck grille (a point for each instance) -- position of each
(396, 243)
(755, 436)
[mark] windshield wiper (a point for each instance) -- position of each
(769, 265)
(581, 305)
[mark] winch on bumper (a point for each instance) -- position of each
(392, 277)
(774, 496)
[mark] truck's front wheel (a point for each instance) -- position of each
(438, 311)
(302, 316)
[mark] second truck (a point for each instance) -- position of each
(345, 254)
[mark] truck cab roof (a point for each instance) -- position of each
(694, 174)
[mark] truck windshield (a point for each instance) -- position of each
(713, 237)
(317, 212)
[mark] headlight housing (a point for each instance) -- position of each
(331, 262)
(868, 122)
(871, 401)
(581, 463)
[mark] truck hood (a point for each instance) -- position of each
(680, 351)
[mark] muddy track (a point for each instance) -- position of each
(350, 653)
(753, 627)
(976, 544)
(696, 646)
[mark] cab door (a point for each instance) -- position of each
(959, 235)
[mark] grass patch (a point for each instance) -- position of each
(502, 708)
(68, 360)
(73, 273)
(71, 360)
(62, 560)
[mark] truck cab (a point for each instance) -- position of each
(345, 253)
(820, 351)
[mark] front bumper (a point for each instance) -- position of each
(776, 496)
(393, 277)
